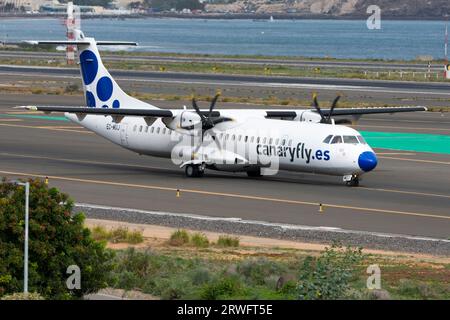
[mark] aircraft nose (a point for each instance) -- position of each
(367, 161)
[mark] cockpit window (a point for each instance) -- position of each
(362, 140)
(351, 140)
(327, 139)
(336, 139)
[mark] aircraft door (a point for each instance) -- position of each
(124, 134)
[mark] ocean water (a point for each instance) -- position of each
(309, 38)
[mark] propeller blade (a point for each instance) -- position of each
(316, 105)
(333, 106)
(197, 109)
(213, 103)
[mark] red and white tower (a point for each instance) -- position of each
(73, 22)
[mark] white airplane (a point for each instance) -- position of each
(258, 142)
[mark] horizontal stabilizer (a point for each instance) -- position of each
(80, 42)
(159, 113)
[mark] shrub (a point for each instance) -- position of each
(100, 233)
(23, 296)
(179, 238)
(328, 276)
(199, 240)
(257, 270)
(58, 240)
(135, 237)
(200, 276)
(221, 288)
(228, 241)
(416, 289)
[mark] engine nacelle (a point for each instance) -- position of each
(187, 120)
(309, 116)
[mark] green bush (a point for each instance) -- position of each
(100, 233)
(256, 271)
(117, 235)
(179, 238)
(135, 237)
(57, 240)
(329, 275)
(199, 240)
(221, 288)
(228, 241)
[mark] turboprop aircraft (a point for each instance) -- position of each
(258, 142)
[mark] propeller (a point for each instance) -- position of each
(208, 121)
(325, 119)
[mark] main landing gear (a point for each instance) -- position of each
(255, 173)
(351, 180)
(194, 170)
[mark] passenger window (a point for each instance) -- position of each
(146, 129)
(336, 139)
(164, 131)
(158, 130)
(227, 136)
(290, 142)
(277, 142)
(233, 137)
(152, 130)
(253, 139)
(134, 128)
(264, 140)
(350, 139)
(221, 136)
(140, 129)
(362, 140)
(246, 138)
(327, 139)
(283, 142)
(271, 140)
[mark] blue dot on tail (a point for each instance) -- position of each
(90, 99)
(105, 107)
(116, 104)
(89, 66)
(104, 88)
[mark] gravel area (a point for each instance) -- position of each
(368, 240)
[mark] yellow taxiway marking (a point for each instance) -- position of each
(417, 160)
(405, 128)
(406, 192)
(231, 195)
(10, 120)
(5, 154)
(25, 112)
(45, 128)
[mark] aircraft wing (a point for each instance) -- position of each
(156, 113)
(361, 111)
(164, 113)
(346, 111)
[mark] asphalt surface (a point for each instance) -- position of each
(408, 193)
(263, 81)
(368, 65)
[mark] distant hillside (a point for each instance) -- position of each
(336, 8)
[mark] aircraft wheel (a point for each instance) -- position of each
(354, 182)
(194, 171)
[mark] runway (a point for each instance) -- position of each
(408, 193)
(353, 85)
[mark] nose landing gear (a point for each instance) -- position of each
(351, 180)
